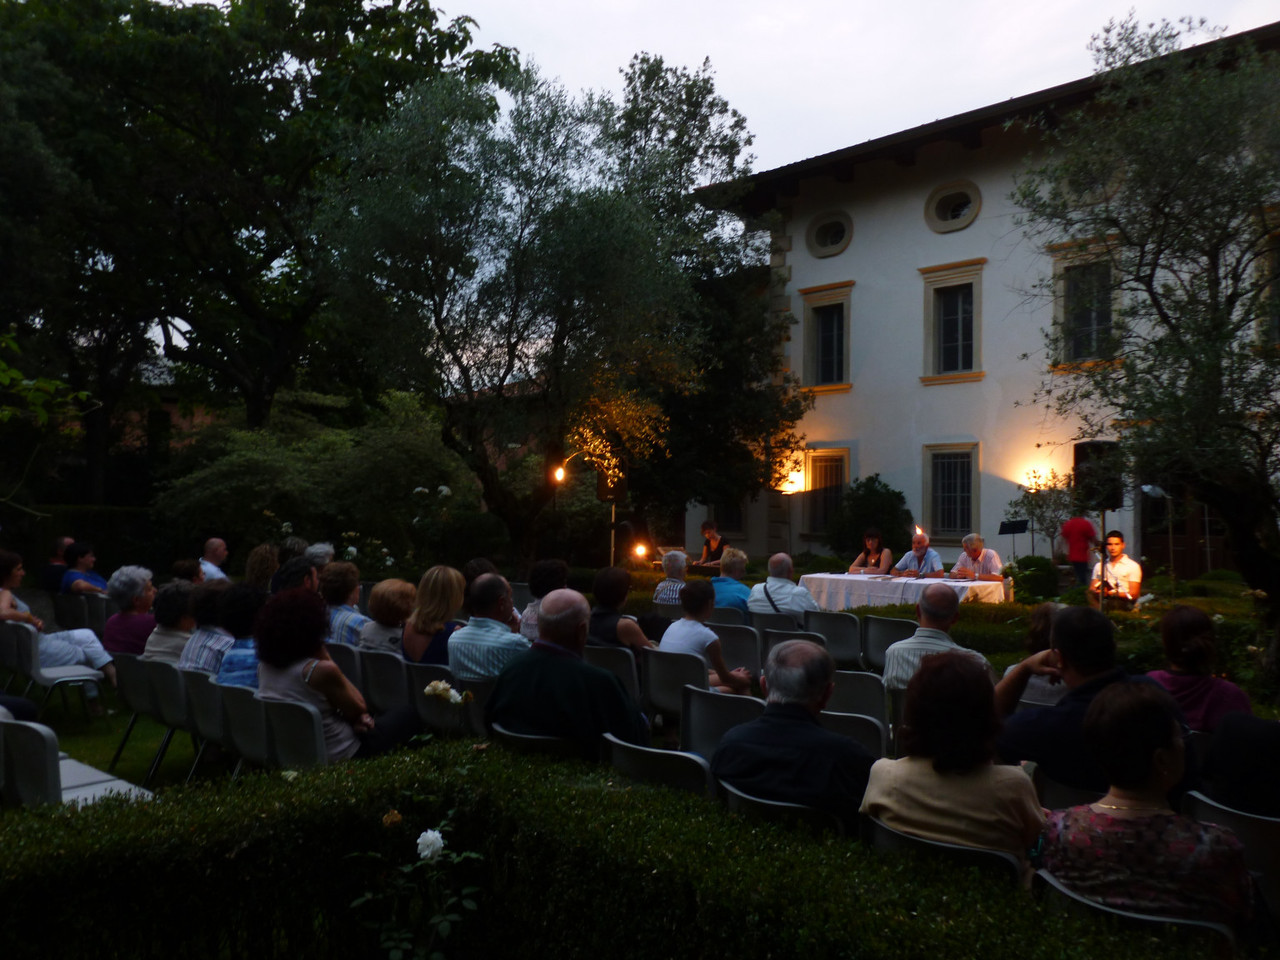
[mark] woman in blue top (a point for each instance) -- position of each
(80, 577)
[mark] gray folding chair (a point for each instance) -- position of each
(437, 715)
(774, 621)
(1260, 836)
(843, 633)
(778, 811)
(706, 716)
(997, 864)
(730, 615)
(672, 611)
(669, 768)
(537, 743)
(859, 728)
(347, 658)
(295, 734)
(244, 722)
(473, 712)
(383, 680)
(521, 595)
(98, 609)
(70, 611)
(205, 705)
(857, 692)
(740, 645)
(619, 661)
(1060, 899)
(774, 637)
(1060, 796)
(133, 686)
(9, 653)
(665, 675)
(878, 633)
(34, 774)
(169, 698)
(28, 645)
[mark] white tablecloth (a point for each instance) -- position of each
(840, 591)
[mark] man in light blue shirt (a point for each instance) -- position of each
(340, 587)
(479, 650)
(921, 561)
(730, 590)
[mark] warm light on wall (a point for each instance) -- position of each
(794, 482)
(641, 550)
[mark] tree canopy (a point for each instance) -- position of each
(1166, 185)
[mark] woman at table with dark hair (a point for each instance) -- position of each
(293, 664)
(946, 785)
(875, 557)
(712, 545)
(1130, 850)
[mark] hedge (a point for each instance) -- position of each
(575, 862)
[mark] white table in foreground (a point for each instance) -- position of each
(840, 591)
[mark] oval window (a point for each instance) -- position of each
(952, 206)
(829, 233)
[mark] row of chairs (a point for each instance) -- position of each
(33, 771)
(20, 657)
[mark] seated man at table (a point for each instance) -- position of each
(778, 594)
(937, 612)
(920, 561)
(1117, 578)
(977, 562)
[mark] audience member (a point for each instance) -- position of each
(1187, 635)
(545, 576)
(50, 577)
(674, 564)
(712, 545)
(237, 610)
(479, 650)
(291, 549)
(731, 592)
(778, 594)
(215, 555)
(472, 570)
(875, 556)
(340, 587)
(390, 603)
(174, 622)
(1083, 656)
(1041, 690)
(1079, 534)
(945, 786)
(209, 641)
(66, 648)
(290, 633)
(690, 634)
(977, 561)
(320, 554)
(609, 626)
(80, 576)
(551, 691)
(261, 566)
(1130, 850)
(294, 573)
(786, 754)
(937, 612)
(187, 569)
(1115, 577)
(132, 591)
(441, 595)
(920, 561)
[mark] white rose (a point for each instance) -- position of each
(351, 553)
(430, 846)
(444, 491)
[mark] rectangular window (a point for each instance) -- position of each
(828, 326)
(953, 319)
(1086, 312)
(950, 491)
(826, 336)
(826, 488)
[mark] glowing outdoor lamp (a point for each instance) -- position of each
(640, 551)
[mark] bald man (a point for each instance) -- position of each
(778, 594)
(215, 554)
(937, 612)
(552, 691)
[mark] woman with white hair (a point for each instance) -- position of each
(128, 630)
(674, 564)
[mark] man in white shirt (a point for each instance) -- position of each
(215, 554)
(1117, 577)
(779, 594)
(479, 650)
(976, 562)
(937, 612)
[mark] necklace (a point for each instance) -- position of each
(1136, 806)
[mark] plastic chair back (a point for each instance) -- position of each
(385, 682)
(437, 715)
(871, 733)
(878, 634)
(537, 743)
(296, 734)
(31, 774)
(619, 661)
(672, 611)
(70, 611)
(857, 692)
(245, 724)
(774, 637)
(706, 716)
(774, 621)
(347, 658)
(843, 633)
(205, 705)
(731, 615)
(998, 864)
(670, 768)
(778, 811)
(740, 645)
(1260, 836)
(665, 676)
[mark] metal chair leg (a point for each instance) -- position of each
(155, 764)
(123, 740)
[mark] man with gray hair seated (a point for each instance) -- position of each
(786, 754)
(977, 562)
(937, 611)
(319, 554)
(778, 594)
(674, 564)
(550, 690)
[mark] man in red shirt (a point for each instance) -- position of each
(1079, 534)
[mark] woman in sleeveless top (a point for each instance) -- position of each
(875, 557)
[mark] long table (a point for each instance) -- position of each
(840, 591)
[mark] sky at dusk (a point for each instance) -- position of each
(816, 75)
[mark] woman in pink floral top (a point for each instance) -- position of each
(1130, 850)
